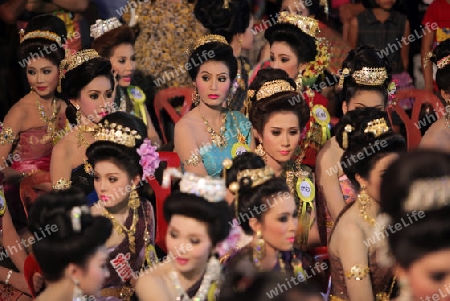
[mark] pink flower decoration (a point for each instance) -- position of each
(149, 158)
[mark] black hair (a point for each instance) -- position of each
(216, 215)
(302, 44)
(373, 4)
(215, 51)
(290, 101)
(363, 56)
(249, 285)
(313, 7)
(76, 79)
(41, 47)
(248, 160)
(123, 156)
(249, 197)
(430, 231)
(63, 244)
(371, 147)
(443, 74)
(105, 44)
(226, 22)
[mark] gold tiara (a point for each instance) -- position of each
(74, 60)
(211, 189)
(39, 34)
(103, 26)
(443, 62)
(209, 38)
(257, 176)
(370, 76)
(308, 25)
(377, 127)
(116, 133)
(428, 194)
(272, 87)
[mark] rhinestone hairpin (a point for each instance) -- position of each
(103, 26)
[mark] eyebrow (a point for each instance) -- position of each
(224, 73)
(94, 91)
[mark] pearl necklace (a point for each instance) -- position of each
(212, 274)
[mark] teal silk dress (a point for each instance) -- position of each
(238, 136)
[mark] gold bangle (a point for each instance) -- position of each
(357, 272)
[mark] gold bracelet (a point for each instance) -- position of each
(357, 272)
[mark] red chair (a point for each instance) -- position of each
(162, 103)
(161, 194)
(413, 124)
(30, 268)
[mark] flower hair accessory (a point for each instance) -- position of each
(149, 158)
(392, 90)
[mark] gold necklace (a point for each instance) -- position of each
(81, 140)
(121, 229)
(218, 139)
(51, 122)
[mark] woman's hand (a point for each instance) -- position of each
(38, 282)
(18, 281)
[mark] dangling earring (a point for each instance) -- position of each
(260, 150)
(365, 202)
(405, 292)
(133, 201)
(299, 81)
(77, 293)
(229, 99)
(195, 97)
(78, 115)
(31, 89)
(258, 250)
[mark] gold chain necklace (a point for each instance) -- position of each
(51, 122)
(218, 139)
(121, 229)
(81, 140)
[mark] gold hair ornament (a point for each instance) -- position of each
(103, 26)
(370, 76)
(428, 194)
(345, 72)
(210, 38)
(248, 102)
(308, 25)
(62, 184)
(272, 87)
(211, 189)
(256, 176)
(74, 60)
(427, 58)
(377, 127)
(443, 62)
(347, 130)
(116, 133)
(39, 34)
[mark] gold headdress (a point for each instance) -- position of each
(209, 38)
(443, 62)
(272, 87)
(39, 34)
(103, 26)
(116, 133)
(377, 127)
(308, 25)
(74, 60)
(370, 76)
(212, 189)
(428, 194)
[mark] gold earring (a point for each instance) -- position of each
(365, 202)
(258, 250)
(299, 81)
(260, 150)
(78, 115)
(195, 97)
(133, 201)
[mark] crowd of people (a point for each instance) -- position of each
(295, 181)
